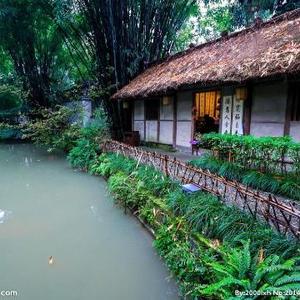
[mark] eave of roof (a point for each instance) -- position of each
(271, 49)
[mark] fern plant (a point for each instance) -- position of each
(239, 270)
(210, 217)
(83, 154)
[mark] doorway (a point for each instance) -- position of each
(206, 112)
(127, 116)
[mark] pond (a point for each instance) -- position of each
(47, 209)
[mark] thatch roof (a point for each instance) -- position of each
(269, 49)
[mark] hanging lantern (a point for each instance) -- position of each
(241, 93)
(166, 100)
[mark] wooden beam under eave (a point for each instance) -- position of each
(174, 120)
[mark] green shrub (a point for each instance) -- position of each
(10, 100)
(261, 181)
(9, 131)
(97, 129)
(262, 153)
(83, 154)
(53, 129)
(207, 162)
(204, 268)
(213, 219)
(291, 188)
(288, 186)
(128, 190)
(101, 166)
(239, 270)
(155, 181)
(108, 164)
(158, 183)
(231, 171)
(204, 212)
(87, 147)
(183, 261)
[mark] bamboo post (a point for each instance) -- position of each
(166, 165)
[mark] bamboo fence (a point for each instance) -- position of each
(281, 215)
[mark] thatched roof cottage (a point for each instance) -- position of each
(247, 82)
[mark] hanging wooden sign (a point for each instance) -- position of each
(232, 115)
(237, 116)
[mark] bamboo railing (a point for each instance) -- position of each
(284, 216)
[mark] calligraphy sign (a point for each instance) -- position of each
(237, 116)
(232, 115)
(226, 114)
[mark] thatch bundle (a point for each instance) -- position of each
(268, 49)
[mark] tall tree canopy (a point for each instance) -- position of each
(125, 35)
(32, 41)
(49, 45)
(216, 16)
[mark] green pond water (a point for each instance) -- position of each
(48, 209)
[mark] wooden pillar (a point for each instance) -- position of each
(288, 110)
(158, 119)
(248, 109)
(144, 119)
(174, 120)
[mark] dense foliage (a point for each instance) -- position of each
(288, 186)
(62, 128)
(36, 50)
(9, 131)
(266, 154)
(271, 164)
(87, 146)
(52, 46)
(10, 99)
(11, 105)
(215, 17)
(211, 249)
(53, 128)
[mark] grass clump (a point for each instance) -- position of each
(288, 186)
(211, 249)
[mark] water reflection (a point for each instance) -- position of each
(47, 209)
(28, 161)
(4, 215)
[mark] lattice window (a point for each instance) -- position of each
(207, 104)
